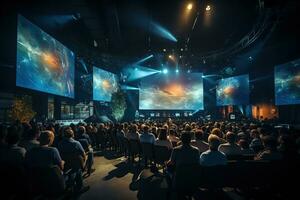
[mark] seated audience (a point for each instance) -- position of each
(213, 156)
(216, 131)
(44, 155)
(270, 150)
(230, 148)
(244, 145)
(163, 140)
(31, 138)
(71, 149)
(133, 133)
(146, 136)
(199, 141)
(256, 143)
(172, 137)
(85, 141)
(185, 153)
(13, 153)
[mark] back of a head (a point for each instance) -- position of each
(269, 142)
(172, 132)
(186, 138)
(145, 128)
(46, 138)
(213, 141)
(216, 131)
(3, 132)
(230, 137)
(33, 133)
(81, 130)
(68, 132)
(199, 134)
(13, 136)
(163, 134)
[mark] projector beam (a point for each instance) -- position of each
(143, 60)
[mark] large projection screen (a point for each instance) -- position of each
(180, 91)
(287, 83)
(104, 84)
(43, 63)
(233, 91)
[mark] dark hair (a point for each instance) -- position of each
(33, 132)
(68, 132)
(146, 128)
(46, 137)
(199, 134)
(270, 142)
(186, 138)
(13, 136)
(230, 137)
(172, 132)
(162, 134)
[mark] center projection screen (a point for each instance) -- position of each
(104, 84)
(233, 91)
(43, 63)
(182, 91)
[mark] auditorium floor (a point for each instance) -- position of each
(110, 180)
(116, 179)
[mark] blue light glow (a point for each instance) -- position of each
(161, 31)
(165, 71)
(144, 59)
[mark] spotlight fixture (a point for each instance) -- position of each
(164, 50)
(170, 56)
(177, 70)
(208, 8)
(189, 6)
(165, 71)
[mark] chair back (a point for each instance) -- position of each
(48, 181)
(161, 154)
(73, 161)
(148, 150)
(134, 147)
(186, 178)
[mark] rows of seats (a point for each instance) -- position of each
(44, 182)
(278, 176)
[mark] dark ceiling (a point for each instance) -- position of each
(115, 33)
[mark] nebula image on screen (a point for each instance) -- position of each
(43, 63)
(233, 91)
(182, 91)
(287, 83)
(104, 84)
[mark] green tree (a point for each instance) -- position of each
(118, 104)
(22, 109)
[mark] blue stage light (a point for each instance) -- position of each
(144, 59)
(165, 71)
(161, 31)
(177, 71)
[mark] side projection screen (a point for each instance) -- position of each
(43, 63)
(287, 83)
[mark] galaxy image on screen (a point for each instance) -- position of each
(233, 91)
(287, 83)
(104, 84)
(182, 91)
(43, 63)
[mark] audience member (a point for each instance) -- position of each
(230, 148)
(213, 156)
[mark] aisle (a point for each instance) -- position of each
(111, 179)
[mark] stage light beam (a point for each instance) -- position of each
(165, 71)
